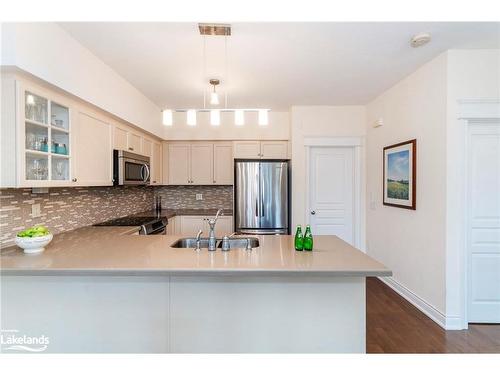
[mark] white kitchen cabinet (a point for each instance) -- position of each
(190, 163)
(178, 164)
(156, 164)
(260, 149)
(188, 226)
(120, 138)
(224, 226)
(37, 136)
(50, 140)
(153, 150)
(127, 140)
(93, 152)
(274, 149)
(223, 164)
(172, 226)
(201, 163)
(134, 142)
(147, 147)
(246, 149)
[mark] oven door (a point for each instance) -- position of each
(135, 172)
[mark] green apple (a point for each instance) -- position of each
(36, 231)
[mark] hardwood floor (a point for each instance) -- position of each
(396, 326)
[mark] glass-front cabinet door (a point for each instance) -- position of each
(46, 130)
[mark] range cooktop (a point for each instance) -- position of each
(149, 224)
(128, 221)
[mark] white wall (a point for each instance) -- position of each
(471, 75)
(50, 53)
(278, 128)
(319, 121)
(411, 243)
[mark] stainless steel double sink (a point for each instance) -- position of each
(234, 243)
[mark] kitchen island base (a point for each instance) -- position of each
(230, 313)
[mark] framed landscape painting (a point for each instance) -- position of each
(400, 180)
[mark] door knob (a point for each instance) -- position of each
(313, 212)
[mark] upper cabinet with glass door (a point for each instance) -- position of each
(45, 134)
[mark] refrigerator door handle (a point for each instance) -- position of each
(262, 199)
(257, 207)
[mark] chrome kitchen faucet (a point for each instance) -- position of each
(198, 240)
(212, 241)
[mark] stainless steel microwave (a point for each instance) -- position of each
(130, 168)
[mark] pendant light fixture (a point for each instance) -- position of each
(214, 97)
(239, 117)
(211, 98)
(191, 117)
(263, 117)
(167, 117)
(215, 117)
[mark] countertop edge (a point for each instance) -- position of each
(162, 272)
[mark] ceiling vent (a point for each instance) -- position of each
(220, 29)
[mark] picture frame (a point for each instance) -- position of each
(400, 175)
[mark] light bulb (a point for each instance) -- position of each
(191, 117)
(167, 117)
(214, 98)
(263, 117)
(215, 117)
(239, 117)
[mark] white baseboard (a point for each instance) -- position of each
(429, 310)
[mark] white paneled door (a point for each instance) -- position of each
(331, 192)
(484, 223)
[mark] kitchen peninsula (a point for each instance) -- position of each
(103, 289)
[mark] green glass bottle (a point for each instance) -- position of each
(299, 239)
(308, 239)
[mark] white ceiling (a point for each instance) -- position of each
(273, 65)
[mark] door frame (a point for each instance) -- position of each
(357, 146)
(472, 113)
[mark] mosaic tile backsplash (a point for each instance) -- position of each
(185, 197)
(64, 209)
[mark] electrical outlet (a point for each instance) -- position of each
(36, 210)
(199, 197)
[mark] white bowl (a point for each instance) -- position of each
(33, 245)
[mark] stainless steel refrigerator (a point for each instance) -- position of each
(261, 197)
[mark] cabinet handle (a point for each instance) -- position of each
(131, 148)
(74, 179)
(215, 182)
